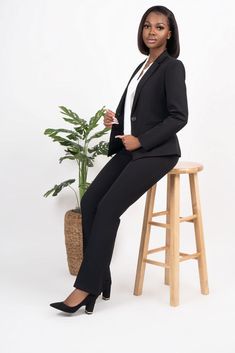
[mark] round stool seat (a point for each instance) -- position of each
(186, 168)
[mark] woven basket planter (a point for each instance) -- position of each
(73, 240)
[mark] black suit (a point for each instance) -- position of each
(159, 111)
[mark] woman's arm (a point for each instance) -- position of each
(177, 106)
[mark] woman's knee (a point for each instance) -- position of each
(107, 209)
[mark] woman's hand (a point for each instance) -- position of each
(109, 118)
(130, 142)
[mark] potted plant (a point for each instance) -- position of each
(77, 142)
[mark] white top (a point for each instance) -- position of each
(130, 98)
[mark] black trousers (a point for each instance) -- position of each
(117, 186)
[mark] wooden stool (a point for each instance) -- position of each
(172, 254)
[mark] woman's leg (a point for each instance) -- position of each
(98, 188)
(130, 184)
(96, 191)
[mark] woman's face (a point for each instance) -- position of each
(156, 31)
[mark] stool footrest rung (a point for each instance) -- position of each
(189, 256)
(160, 213)
(156, 263)
(188, 218)
(182, 257)
(159, 224)
(167, 225)
(151, 251)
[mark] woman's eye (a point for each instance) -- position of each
(146, 26)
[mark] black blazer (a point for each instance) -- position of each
(159, 109)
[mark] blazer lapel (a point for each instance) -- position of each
(122, 100)
(147, 74)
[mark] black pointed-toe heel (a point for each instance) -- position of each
(106, 292)
(89, 303)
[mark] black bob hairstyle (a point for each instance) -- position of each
(173, 45)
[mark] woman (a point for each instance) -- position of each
(152, 109)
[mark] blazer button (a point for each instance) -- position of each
(133, 118)
(117, 114)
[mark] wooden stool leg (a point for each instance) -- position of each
(167, 244)
(144, 243)
(198, 228)
(174, 239)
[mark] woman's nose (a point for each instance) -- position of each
(152, 31)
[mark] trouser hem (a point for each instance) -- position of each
(86, 289)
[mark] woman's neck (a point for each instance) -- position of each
(153, 56)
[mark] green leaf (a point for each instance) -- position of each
(48, 131)
(99, 134)
(100, 148)
(64, 142)
(73, 136)
(66, 157)
(73, 117)
(57, 188)
(93, 123)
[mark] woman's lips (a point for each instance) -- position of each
(151, 40)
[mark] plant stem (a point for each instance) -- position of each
(75, 194)
(83, 168)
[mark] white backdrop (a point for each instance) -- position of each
(80, 54)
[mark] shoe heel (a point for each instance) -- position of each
(106, 292)
(90, 305)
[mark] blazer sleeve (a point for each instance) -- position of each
(177, 108)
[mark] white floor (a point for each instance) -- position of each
(32, 276)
